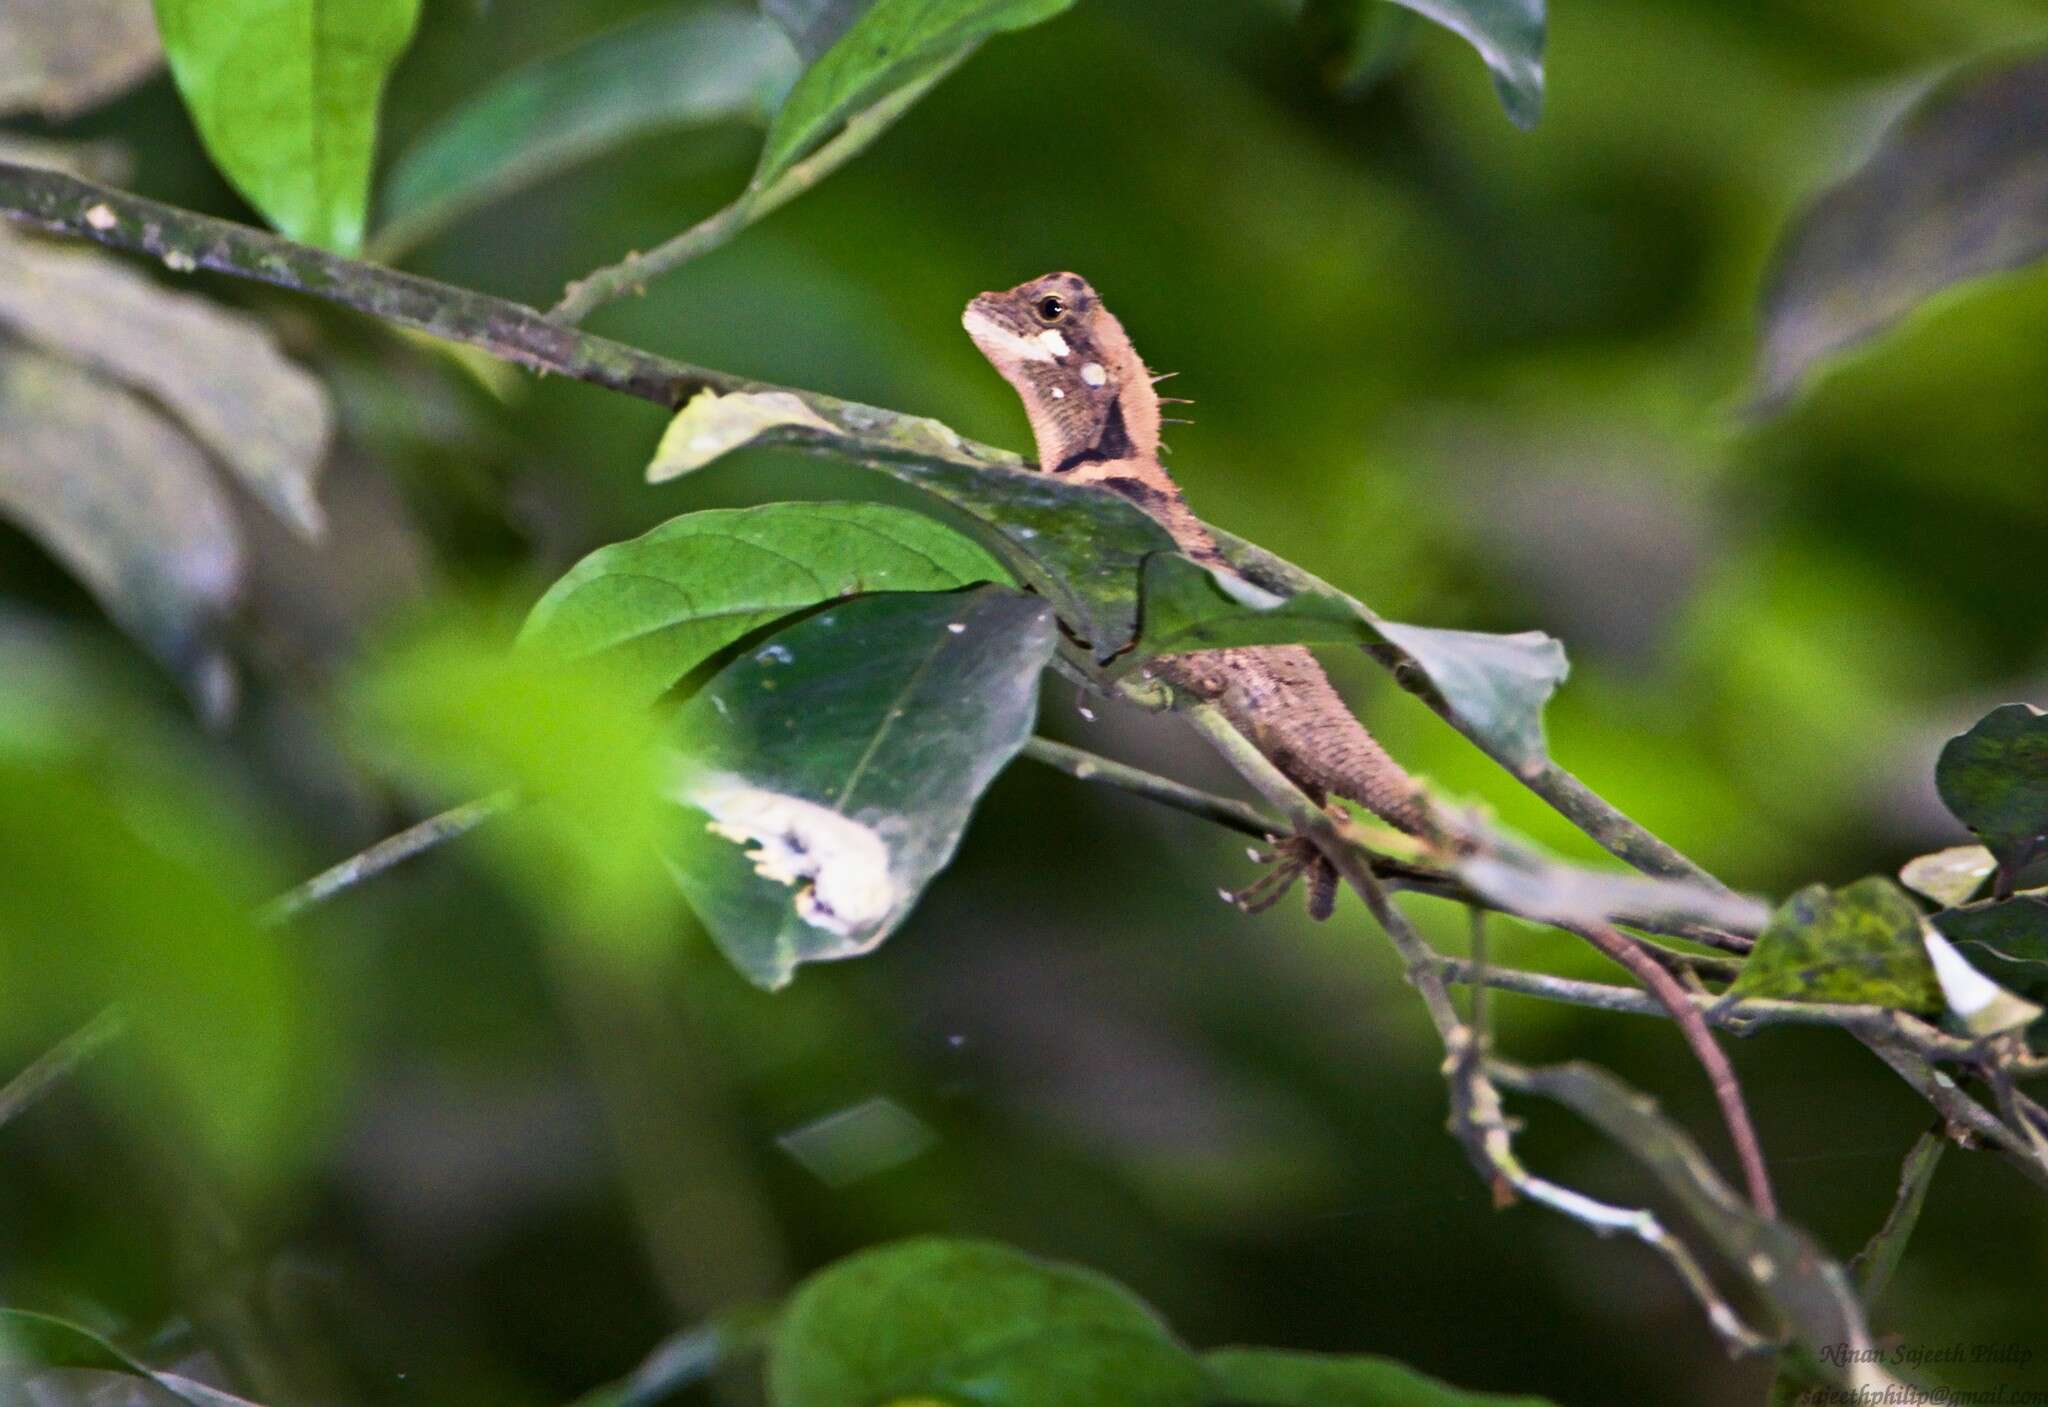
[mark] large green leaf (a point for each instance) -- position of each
(944, 1322)
(1861, 943)
(285, 95)
(663, 603)
(1509, 36)
(148, 531)
(895, 44)
(1994, 777)
(832, 770)
(1079, 547)
(1264, 1377)
(1954, 191)
(1095, 556)
(41, 1341)
(665, 69)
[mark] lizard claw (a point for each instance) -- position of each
(1290, 858)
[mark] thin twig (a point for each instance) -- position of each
(1714, 1060)
(392, 850)
(56, 1064)
(1088, 767)
(757, 202)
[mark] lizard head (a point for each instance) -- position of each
(1089, 397)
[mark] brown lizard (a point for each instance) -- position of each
(1095, 416)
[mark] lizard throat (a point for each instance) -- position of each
(1112, 443)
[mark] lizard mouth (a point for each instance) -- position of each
(993, 329)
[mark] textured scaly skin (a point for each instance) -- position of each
(1095, 416)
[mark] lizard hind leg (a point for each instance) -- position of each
(1294, 857)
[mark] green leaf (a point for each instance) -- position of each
(1950, 876)
(2007, 938)
(814, 25)
(1859, 944)
(1995, 779)
(139, 897)
(60, 57)
(456, 714)
(1492, 688)
(1091, 553)
(1261, 1377)
(1954, 191)
(148, 532)
(1079, 547)
(663, 603)
(284, 93)
(895, 44)
(219, 372)
(833, 769)
(666, 69)
(41, 1341)
(1509, 36)
(956, 1322)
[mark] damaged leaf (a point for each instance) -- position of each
(831, 770)
(663, 603)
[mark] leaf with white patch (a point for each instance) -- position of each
(1861, 943)
(128, 504)
(1984, 1007)
(218, 371)
(830, 772)
(663, 603)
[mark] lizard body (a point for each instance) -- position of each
(1095, 417)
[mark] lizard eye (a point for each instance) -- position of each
(1052, 307)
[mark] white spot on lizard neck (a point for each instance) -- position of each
(1093, 374)
(1059, 393)
(1054, 343)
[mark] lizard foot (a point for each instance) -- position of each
(1292, 858)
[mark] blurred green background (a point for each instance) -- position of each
(1476, 376)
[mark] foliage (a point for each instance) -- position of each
(787, 727)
